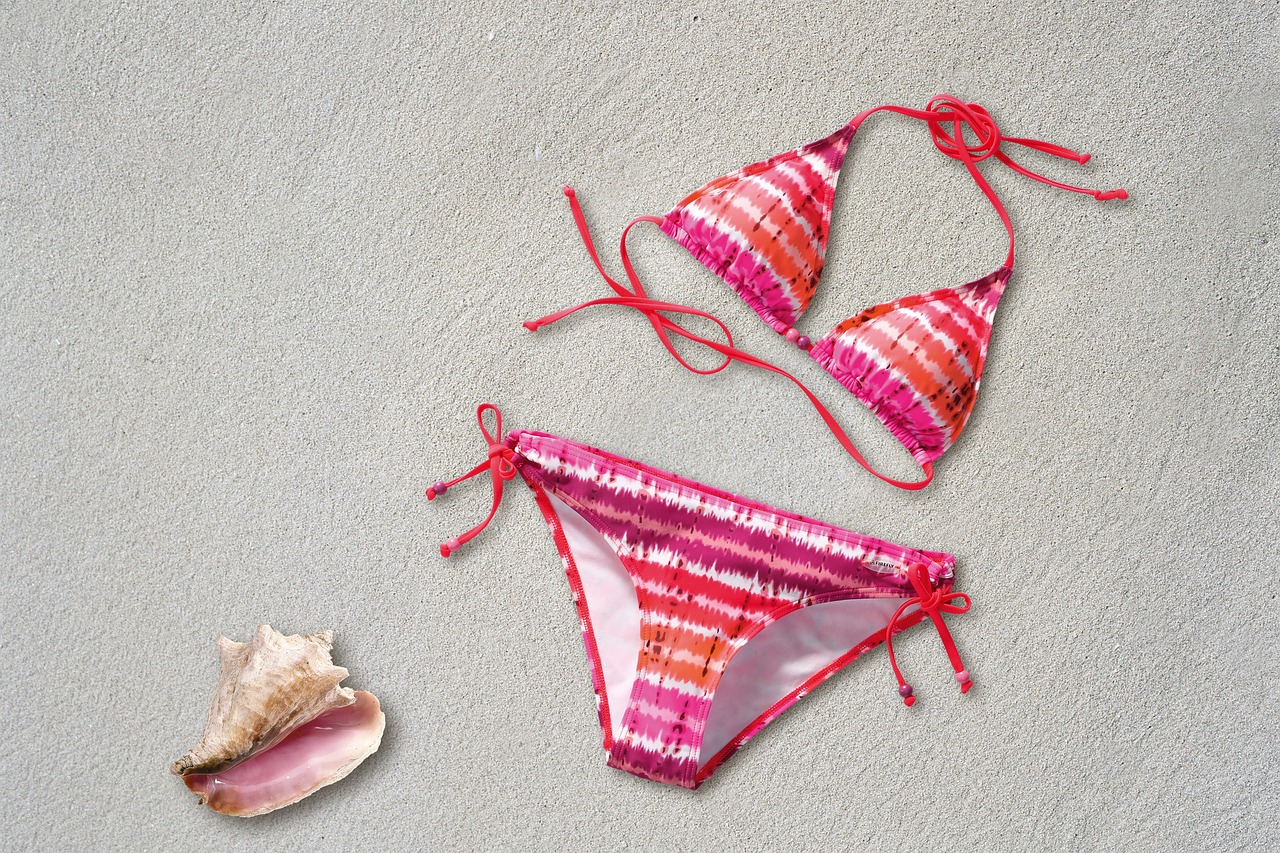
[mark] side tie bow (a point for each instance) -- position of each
(933, 603)
(501, 468)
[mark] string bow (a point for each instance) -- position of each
(933, 603)
(501, 466)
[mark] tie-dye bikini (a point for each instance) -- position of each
(681, 588)
(674, 581)
(917, 361)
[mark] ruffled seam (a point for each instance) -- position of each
(823, 352)
(745, 292)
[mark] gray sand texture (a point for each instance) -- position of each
(259, 263)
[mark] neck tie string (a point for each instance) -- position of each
(933, 603)
(501, 467)
(945, 110)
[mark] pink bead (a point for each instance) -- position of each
(793, 335)
(962, 677)
(803, 342)
(454, 544)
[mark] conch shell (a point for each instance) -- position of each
(280, 727)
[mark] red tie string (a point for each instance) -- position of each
(933, 603)
(501, 468)
(948, 117)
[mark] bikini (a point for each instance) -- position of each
(917, 361)
(681, 588)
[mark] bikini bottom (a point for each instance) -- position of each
(706, 615)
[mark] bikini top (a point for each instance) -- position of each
(915, 362)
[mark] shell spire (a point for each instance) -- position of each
(267, 688)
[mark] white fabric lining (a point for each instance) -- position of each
(785, 655)
(611, 603)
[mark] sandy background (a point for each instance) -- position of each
(259, 264)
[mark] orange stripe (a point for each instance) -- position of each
(783, 268)
(797, 189)
(906, 369)
(948, 408)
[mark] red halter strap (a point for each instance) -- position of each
(653, 309)
(944, 110)
(501, 468)
(933, 603)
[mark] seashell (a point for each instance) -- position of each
(280, 727)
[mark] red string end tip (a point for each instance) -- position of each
(1083, 158)
(435, 490)
(1121, 194)
(568, 191)
(909, 701)
(907, 694)
(450, 547)
(963, 679)
(531, 325)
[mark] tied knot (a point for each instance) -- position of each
(930, 598)
(499, 461)
(948, 117)
(961, 115)
(500, 457)
(932, 601)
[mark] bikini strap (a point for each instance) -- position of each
(933, 603)
(653, 309)
(948, 117)
(501, 468)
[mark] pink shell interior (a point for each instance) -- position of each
(313, 755)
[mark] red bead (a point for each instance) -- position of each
(905, 690)
(803, 342)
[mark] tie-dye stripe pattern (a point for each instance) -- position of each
(710, 571)
(763, 229)
(917, 362)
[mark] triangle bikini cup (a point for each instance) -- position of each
(916, 362)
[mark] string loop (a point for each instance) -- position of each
(933, 602)
(501, 466)
(948, 117)
(654, 311)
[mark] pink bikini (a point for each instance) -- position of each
(681, 588)
(916, 362)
